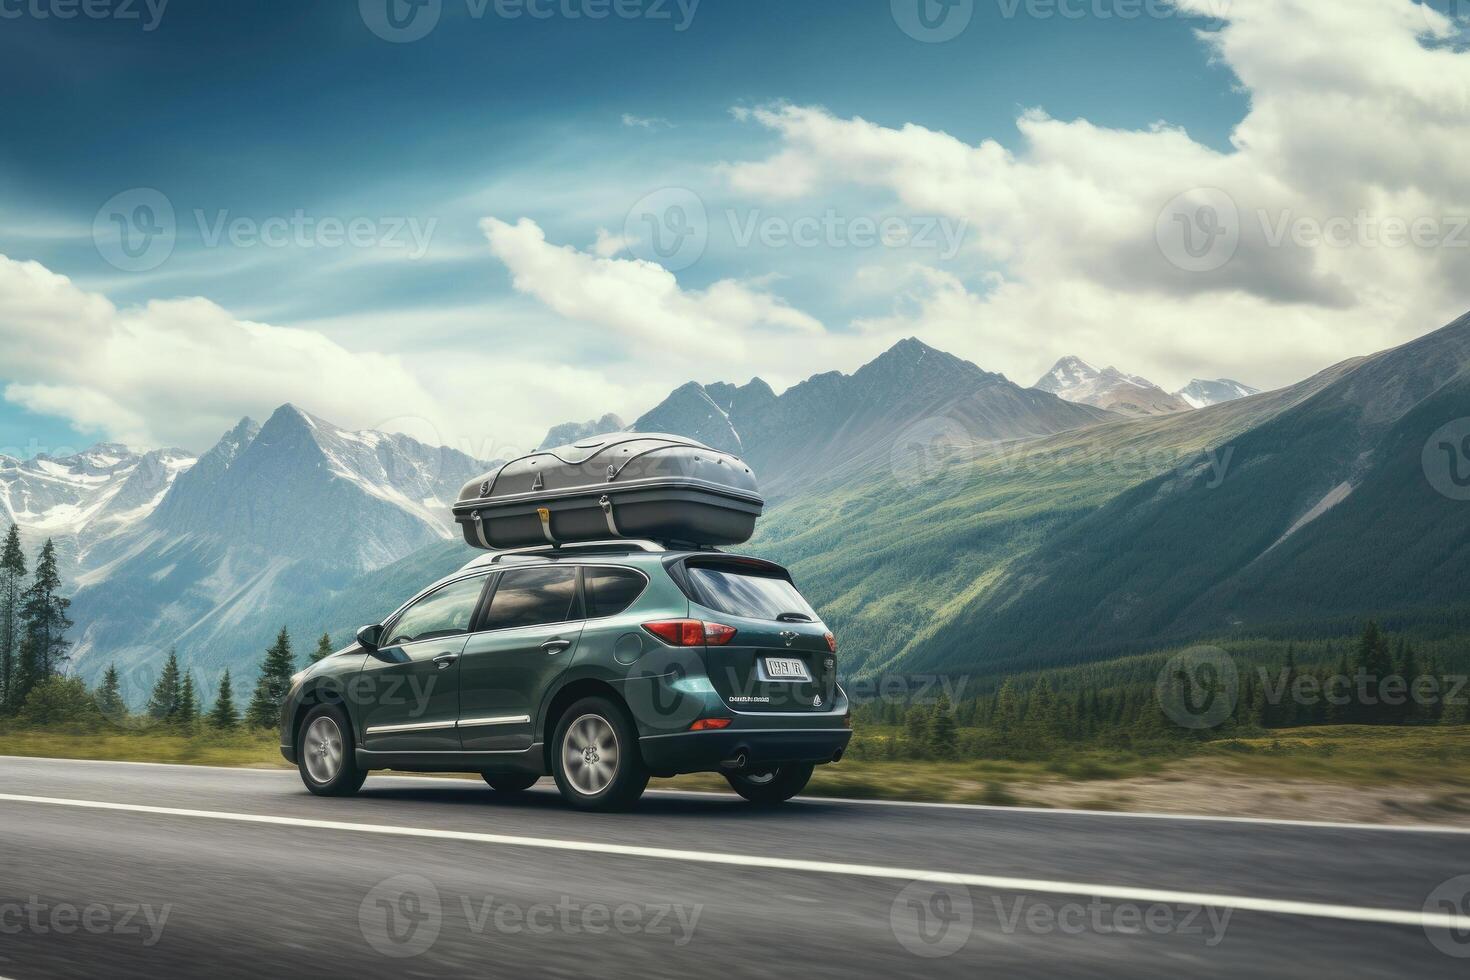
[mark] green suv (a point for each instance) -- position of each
(601, 665)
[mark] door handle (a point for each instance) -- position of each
(445, 661)
(556, 646)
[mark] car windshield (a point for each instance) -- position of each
(745, 593)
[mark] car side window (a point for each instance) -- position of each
(532, 597)
(443, 612)
(611, 590)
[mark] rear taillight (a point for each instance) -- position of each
(832, 643)
(709, 724)
(691, 632)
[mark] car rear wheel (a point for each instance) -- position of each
(595, 757)
(324, 751)
(510, 782)
(771, 786)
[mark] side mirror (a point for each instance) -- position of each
(369, 637)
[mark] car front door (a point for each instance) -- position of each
(527, 638)
(409, 692)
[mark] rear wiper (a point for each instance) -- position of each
(794, 617)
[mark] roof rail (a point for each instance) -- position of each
(611, 546)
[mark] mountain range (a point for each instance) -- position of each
(940, 516)
(1128, 394)
(270, 515)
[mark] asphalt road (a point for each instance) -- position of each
(125, 870)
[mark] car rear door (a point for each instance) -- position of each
(527, 637)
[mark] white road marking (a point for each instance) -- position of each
(1416, 828)
(1241, 903)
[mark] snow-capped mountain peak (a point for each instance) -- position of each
(1200, 394)
(1078, 381)
(86, 496)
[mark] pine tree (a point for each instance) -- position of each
(1284, 713)
(168, 692)
(1406, 666)
(188, 702)
(917, 723)
(1374, 663)
(44, 609)
(1007, 710)
(274, 683)
(109, 697)
(1041, 712)
(323, 648)
(1338, 687)
(942, 729)
(12, 578)
(224, 716)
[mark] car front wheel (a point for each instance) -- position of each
(325, 753)
(771, 786)
(595, 757)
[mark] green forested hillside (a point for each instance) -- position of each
(1324, 517)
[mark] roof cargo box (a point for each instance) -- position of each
(628, 485)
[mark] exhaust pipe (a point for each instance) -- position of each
(737, 763)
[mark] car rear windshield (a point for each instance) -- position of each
(741, 592)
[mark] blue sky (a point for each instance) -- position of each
(278, 109)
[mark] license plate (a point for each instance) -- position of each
(785, 669)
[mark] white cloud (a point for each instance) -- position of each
(1350, 113)
(641, 303)
(609, 245)
(177, 371)
(646, 122)
(181, 372)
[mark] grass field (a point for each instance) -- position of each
(1345, 772)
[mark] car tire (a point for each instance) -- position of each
(324, 750)
(772, 786)
(595, 758)
(510, 782)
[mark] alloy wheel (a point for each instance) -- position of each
(321, 747)
(590, 754)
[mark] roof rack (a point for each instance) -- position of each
(611, 546)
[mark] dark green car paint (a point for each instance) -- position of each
(490, 699)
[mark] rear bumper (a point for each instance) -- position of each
(706, 751)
